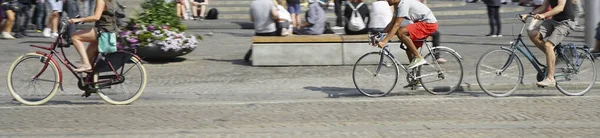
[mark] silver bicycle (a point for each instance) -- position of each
(375, 74)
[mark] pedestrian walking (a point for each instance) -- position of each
(72, 9)
(10, 8)
(493, 9)
(22, 18)
(39, 15)
(88, 7)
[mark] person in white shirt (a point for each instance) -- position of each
(381, 15)
(412, 21)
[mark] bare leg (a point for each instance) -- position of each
(88, 35)
(295, 20)
(550, 60)
(54, 21)
(597, 47)
(10, 21)
(195, 9)
(203, 10)
(179, 10)
(405, 38)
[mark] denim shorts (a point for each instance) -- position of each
(55, 5)
(294, 8)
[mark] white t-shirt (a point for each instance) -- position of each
(381, 14)
(415, 11)
(283, 13)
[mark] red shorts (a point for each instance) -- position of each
(421, 30)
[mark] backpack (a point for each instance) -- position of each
(212, 14)
(356, 22)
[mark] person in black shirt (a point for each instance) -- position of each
(552, 31)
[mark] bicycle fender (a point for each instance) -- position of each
(449, 49)
(60, 73)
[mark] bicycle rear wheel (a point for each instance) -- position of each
(577, 78)
(373, 82)
(132, 80)
(498, 74)
(32, 79)
(441, 78)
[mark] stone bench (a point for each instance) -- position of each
(327, 49)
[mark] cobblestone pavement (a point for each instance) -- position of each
(212, 93)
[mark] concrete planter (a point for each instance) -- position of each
(156, 52)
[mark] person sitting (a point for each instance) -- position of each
(264, 15)
(202, 4)
(285, 19)
(357, 17)
(381, 15)
(180, 6)
(315, 20)
(412, 21)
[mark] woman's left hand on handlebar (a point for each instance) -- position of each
(73, 21)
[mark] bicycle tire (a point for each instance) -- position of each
(35, 69)
(111, 97)
(495, 89)
(441, 84)
(363, 74)
(568, 87)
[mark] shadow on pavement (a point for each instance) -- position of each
(36, 42)
(245, 25)
(233, 61)
(336, 92)
(164, 61)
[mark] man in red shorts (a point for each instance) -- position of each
(412, 21)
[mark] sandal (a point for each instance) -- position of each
(83, 69)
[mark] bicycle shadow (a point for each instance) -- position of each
(233, 61)
(63, 102)
(164, 61)
(336, 92)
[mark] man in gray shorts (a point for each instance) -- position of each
(552, 31)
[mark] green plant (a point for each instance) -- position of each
(159, 13)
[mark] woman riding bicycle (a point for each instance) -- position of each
(104, 17)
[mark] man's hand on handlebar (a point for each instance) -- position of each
(539, 16)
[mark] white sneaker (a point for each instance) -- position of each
(7, 35)
(337, 27)
(46, 32)
(496, 35)
(416, 62)
(54, 35)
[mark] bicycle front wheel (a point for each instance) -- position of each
(33, 79)
(499, 72)
(441, 78)
(577, 77)
(375, 75)
(130, 83)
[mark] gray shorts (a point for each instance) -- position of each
(555, 31)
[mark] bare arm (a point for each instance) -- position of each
(391, 30)
(542, 8)
(275, 13)
(559, 8)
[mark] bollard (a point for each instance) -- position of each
(592, 16)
